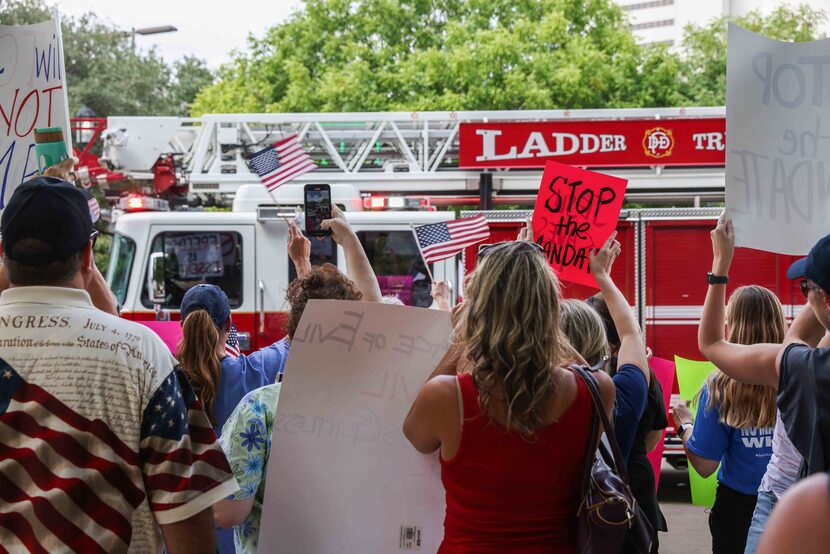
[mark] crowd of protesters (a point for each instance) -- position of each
(171, 452)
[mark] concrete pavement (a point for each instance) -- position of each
(688, 525)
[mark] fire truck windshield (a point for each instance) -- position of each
(398, 265)
(120, 265)
(191, 258)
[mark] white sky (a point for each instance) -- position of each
(207, 29)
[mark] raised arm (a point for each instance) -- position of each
(360, 270)
(299, 250)
(632, 348)
(100, 293)
(754, 364)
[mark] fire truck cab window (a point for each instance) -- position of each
(121, 263)
(398, 265)
(322, 252)
(190, 259)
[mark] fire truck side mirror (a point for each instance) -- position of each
(155, 278)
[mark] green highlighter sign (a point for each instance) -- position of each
(691, 375)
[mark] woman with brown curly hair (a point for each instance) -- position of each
(513, 433)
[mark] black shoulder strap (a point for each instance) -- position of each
(617, 457)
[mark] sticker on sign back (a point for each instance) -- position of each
(410, 538)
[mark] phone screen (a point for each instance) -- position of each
(317, 209)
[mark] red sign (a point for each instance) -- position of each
(640, 142)
(576, 210)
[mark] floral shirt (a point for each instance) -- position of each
(246, 440)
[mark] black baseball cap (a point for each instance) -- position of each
(209, 298)
(816, 266)
(51, 210)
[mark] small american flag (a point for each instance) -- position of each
(72, 479)
(94, 209)
(439, 241)
(232, 344)
(281, 162)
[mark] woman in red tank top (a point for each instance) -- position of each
(513, 430)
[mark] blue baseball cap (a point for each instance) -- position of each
(210, 298)
(815, 267)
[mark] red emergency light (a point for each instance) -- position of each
(138, 203)
(403, 203)
(135, 203)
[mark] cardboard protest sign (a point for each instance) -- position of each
(691, 375)
(32, 96)
(341, 476)
(664, 371)
(576, 210)
(778, 142)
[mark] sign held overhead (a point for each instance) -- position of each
(576, 211)
(778, 152)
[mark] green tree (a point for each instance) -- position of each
(341, 55)
(703, 72)
(107, 74)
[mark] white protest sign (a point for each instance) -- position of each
(778, 141)
(341, 475)
(32, 96)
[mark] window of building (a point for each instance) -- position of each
(645, 5)
(652, 24)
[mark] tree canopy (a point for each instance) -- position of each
(406, 55)
(106, 73)
(367, 55)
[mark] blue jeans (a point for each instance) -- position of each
(763, 509)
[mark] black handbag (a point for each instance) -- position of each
(608, 514)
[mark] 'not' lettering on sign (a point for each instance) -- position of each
(576, 211)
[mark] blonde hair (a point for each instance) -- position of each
(754, 315)
(584, 329)
(199, 358)
(509, 325)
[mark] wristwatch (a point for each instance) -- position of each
(713, 279)
(682, 428)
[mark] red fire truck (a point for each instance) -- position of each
(391, 170)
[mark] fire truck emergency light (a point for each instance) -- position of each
(139, 203)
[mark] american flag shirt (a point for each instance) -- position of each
(101, 438)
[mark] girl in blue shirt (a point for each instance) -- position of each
(734, 423)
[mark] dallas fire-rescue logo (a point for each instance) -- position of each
(658, 142)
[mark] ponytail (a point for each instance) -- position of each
(197, 354)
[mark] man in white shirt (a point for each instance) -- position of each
(103, 445)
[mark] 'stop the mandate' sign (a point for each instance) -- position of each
(778, 115)
(642, 142)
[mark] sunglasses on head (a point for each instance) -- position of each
(806, 286)
(93, 237)
(484, 249)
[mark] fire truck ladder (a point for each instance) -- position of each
(399, 152)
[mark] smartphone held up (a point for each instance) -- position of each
(317, 209)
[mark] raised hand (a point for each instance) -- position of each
(723, 245)
(299, 250)
(526, 232)
(603, 259)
